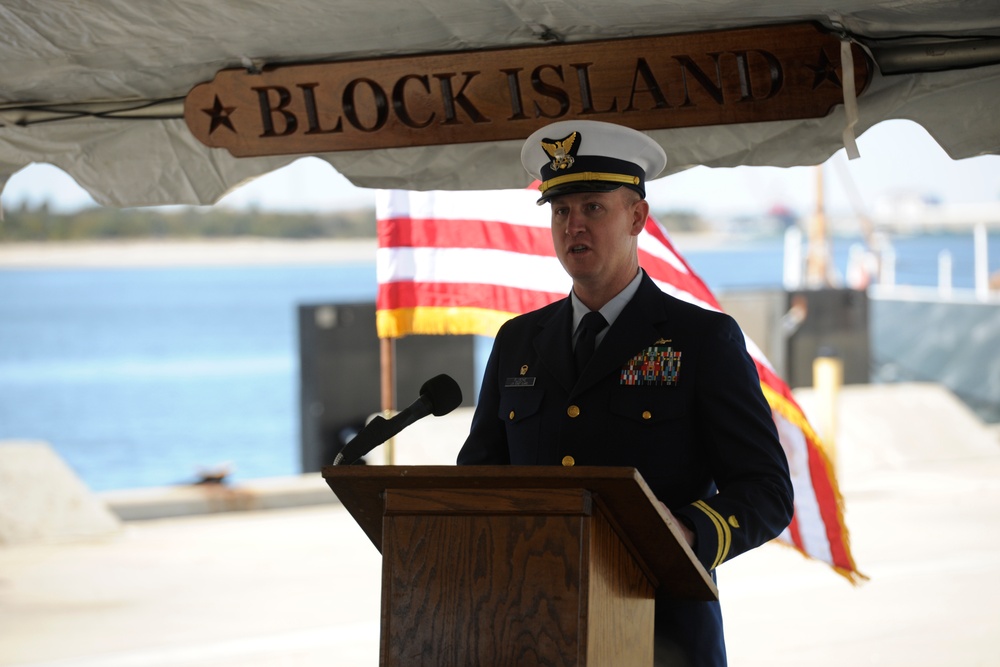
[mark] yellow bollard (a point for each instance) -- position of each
(828, 376)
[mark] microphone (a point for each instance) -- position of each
(438, 396)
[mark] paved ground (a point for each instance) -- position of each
(300, 587)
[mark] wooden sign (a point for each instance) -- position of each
(709, 78)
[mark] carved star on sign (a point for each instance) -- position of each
(825, 70)
(220, 116)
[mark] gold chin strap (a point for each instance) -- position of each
(588, 176)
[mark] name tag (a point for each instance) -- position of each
(520, 382)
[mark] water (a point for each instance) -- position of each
(143, 377)
(758, 263)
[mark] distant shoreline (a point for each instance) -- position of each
(179, 252)
(240, 251)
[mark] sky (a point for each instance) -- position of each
(899, 160)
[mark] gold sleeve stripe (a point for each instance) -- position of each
(725, 537)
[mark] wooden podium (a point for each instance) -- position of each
(518, 565)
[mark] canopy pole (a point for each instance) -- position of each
(387, 381)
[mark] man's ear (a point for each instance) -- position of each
(640, 213)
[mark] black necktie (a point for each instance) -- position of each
(591, 324)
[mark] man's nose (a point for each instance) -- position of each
(575, 222)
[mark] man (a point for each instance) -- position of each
(669, 388)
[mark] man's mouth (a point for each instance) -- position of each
(577, 249)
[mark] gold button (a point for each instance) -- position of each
(568, 461)
(511, 415)
(646, 414)
(573, 411)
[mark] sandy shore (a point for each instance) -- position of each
(225, 252)
(198, 252)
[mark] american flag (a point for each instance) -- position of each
(465, 262)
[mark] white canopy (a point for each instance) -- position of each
(97, 88)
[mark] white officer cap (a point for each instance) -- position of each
(590, 156)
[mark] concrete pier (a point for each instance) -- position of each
(271, 585)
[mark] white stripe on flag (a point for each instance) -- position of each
(511, 206)
(470, 265)
(812, 530)
(675, 291)
(652, 245)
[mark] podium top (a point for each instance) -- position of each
(624, 497)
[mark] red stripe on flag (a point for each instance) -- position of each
(663, 271)
(688, 281)
(795, 535)
(459, 295)
(431, 233)
(822, 482)
(829, 508)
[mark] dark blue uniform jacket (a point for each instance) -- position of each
(670, 391)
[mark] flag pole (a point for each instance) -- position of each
(818, 254)
(387, 382)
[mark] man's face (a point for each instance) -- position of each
(594, 235)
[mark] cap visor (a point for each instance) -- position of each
(578, 186)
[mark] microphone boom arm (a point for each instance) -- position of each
(438, 396)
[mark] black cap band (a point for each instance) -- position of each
(591, 173)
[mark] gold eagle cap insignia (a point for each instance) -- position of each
(561, 151)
